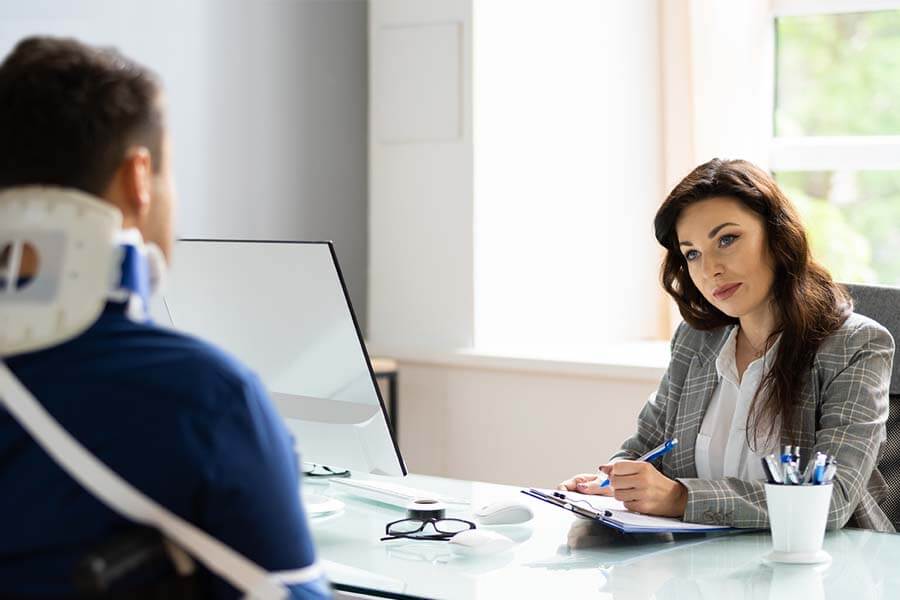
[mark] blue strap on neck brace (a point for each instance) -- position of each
(134, 283)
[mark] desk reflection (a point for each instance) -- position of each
(723, 566)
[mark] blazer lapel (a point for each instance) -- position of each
(699, 386)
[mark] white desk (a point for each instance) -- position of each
(560, 556)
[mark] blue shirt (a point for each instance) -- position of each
(180, 420)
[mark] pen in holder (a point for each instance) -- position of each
(798, 515)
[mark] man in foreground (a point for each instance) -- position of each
(180, 420)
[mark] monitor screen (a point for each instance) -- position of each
(282, 308)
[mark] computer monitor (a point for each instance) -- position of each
(283, 309)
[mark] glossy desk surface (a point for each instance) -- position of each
(559, 555)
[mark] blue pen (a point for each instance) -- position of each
(660, 450)
(819, 471)
(787, 463)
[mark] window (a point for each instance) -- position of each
(836, 150)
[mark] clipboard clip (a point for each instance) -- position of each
(559, 499)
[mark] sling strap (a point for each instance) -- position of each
(122, 497)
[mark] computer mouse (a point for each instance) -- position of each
(504, 513)
(479, 542)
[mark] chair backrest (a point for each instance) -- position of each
(883, 305)
(134, 563)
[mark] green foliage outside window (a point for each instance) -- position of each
(840, 75)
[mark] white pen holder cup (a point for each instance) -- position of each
(798, 515)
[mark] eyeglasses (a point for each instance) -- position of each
(414, 528)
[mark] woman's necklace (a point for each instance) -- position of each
(754, 351)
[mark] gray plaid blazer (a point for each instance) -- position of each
(843, 411)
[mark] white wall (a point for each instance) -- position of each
(512, 426)
(267, 107)
(420, 174)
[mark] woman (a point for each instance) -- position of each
(770, 354)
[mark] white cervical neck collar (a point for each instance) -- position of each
(84, 260)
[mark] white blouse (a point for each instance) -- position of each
(721, 449)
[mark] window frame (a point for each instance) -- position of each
(828, 153)
(796, 8)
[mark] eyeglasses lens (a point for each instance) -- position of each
(405, 527)
(451, 526)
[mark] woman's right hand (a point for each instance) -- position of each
(585, 483)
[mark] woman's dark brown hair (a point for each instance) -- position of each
(810, 305)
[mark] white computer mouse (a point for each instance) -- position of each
(503, 513)
(479, 542)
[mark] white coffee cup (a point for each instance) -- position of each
(798, 515)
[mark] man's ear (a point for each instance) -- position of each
(137, 181)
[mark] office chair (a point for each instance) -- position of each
(135, 564)
(883, 305)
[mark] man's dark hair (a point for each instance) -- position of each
(69, 112)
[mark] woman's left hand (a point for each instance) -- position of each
(645, 490)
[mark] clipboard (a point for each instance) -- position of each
(620, 520)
